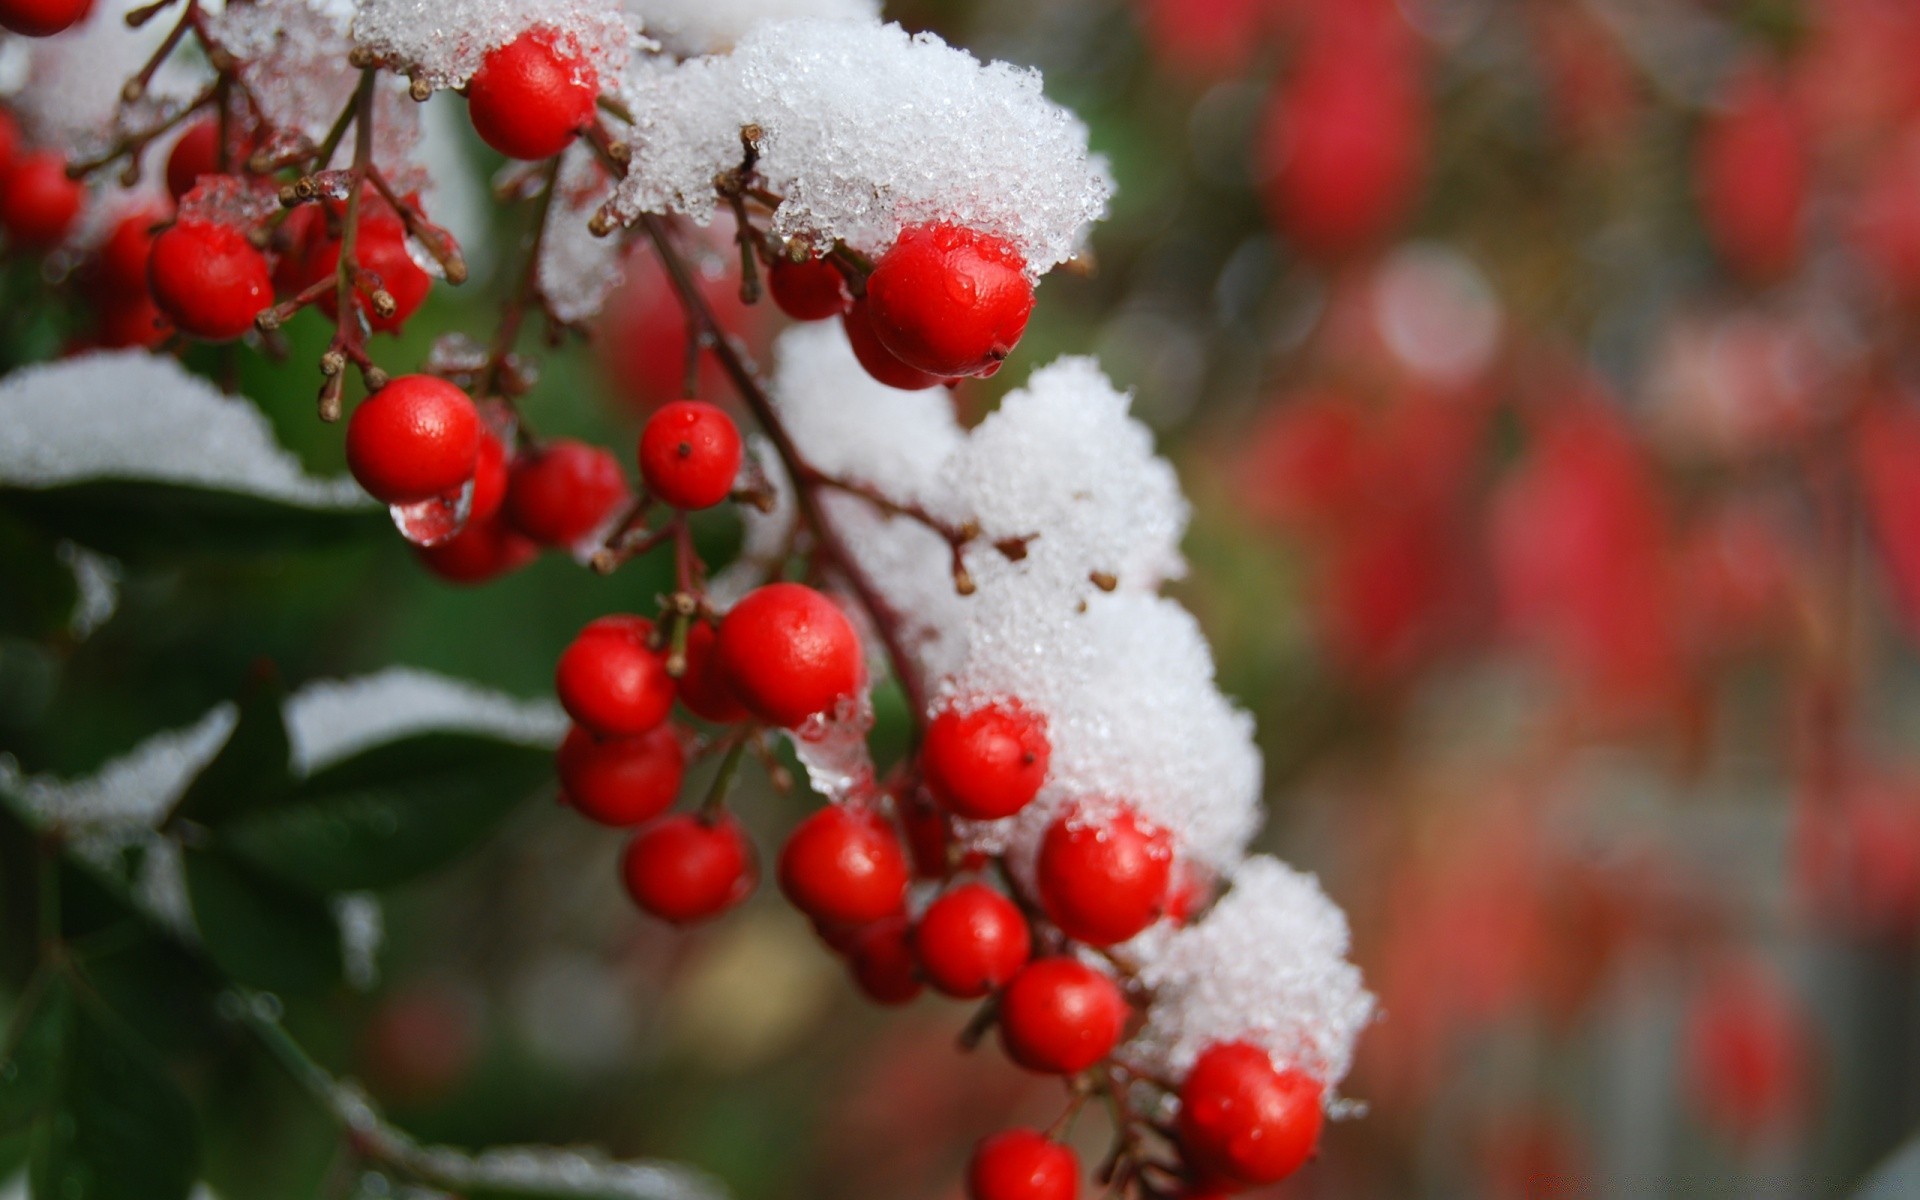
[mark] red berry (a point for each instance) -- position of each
(619, 780)
(130, 321)
(611, 679)
(844, 864)
(1751, 169)
(1060, 1016)
(703, 686)
(486, 549)
(689, 454)
(879, 361)
(1244, 1121)
(1104, 880)
(882, 961)
(122, 260)
(929, 834)
(949, 300)
(1022, 1164)
(986, 763)
(210, 280)
(42, 18)
(563, 490)
(9, 140)
(38, 203)
(789, 653)
(808, 291)
(197, 153)
(971, 940)
(379, 247)
(531, 96)
(489, 477)
(684, 868)
(414, 439)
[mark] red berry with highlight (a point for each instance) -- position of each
(949, 300)
(1245, 1121)
(563, 491)
(844, 864)
(877, 360)
(703, 686)
(1060, 1016)
(612, 680)
(988, 762)
(531, 96)
(38, 203)
(1104, 879)
(197, 153)
(210, 280)
(689, 454)
(42, 18)
(683, 869)
(882, 960)
(621, 781)
(789, 653)
(1022, 1164)
(808, 291)
(971, 940)
(414, 439)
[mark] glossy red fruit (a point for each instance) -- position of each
(703, 686)
(414, 439)
(844, 864)
(42, 18)
(611, 679)
(380, 247)
(563, 490)
(1244, 1120)
(879, 361)
(621, 781)
(1022, 1164)
(987, 762)
(489, 477)
(689, 454)
(485, 550)
(1103, 879)
(38, 203)
(789, 653)
(971, 940)
(882, 960)
(1059, 1016)
(121, 264)
(949, 300)
(209, 279)
(1752, 171)
(197, 153)
(808, 291)
(531, 96)
(684, 869)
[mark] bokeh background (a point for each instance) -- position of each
(1543, 373)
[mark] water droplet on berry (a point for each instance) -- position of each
(431, 522)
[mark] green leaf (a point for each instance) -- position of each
(107, 1120)
(40, 593)
(251, 770)
(142, 521)
(390, 814)
(261, 930)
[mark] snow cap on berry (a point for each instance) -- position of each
(690, 27)
(443, 42)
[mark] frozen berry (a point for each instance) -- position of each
(684, 868)
(197, 153)
(1103, 879)
(689, 454)
(563, 490)
(703, 686)
(949, 300)
(38, 203)
(612, 680)
(211, 281)
(971, 940)
(879, 361)
(808, 291)
(1060, 1016)
(379, 247)
(42, 18)
(988, 762)
(844, 864)
(621, 780)
(1022, 1164)
(486, 549)
(882, 962)
(789, 653)
(531, 96)
(414, 439)
(1245, 1121)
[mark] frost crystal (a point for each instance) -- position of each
(1267, 965)
(689, 27)
(71, 97)
(445, 41)
(96, 583)
(867, 130)
(577, 271)
(133, 415)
